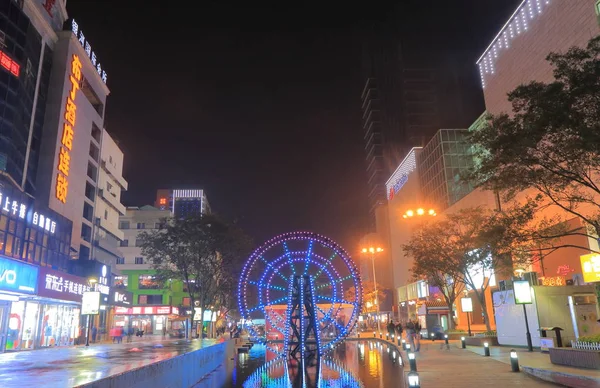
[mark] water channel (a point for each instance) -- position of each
(368, 364)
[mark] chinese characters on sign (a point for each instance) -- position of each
(43, 222)
(88, 49)
(590, 264)
(58, 284)
(64, 157)
(554, 281)
(9, 64)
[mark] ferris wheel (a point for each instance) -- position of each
(266, 283)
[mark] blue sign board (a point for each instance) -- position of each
(18, 277)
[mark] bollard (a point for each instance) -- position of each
(446, 341)
(374, 334)
(359, 334)
(387, 336)
(514, 360)
(413, 380)
(399, 343)
(463, 343)
(412, 360)
(486, 349)
(381, 335)
(407, 347)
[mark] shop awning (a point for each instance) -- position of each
(435, 306)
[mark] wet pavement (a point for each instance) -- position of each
(73, 366)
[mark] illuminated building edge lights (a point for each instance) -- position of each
(517, 24)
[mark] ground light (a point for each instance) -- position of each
(412, 360)
(381, 335)
(407, 347)
(413, 380)
(486, 349)
(514, 360)
(463, 343)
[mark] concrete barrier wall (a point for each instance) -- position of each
(180, 371)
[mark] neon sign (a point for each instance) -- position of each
(88, 49)
(64, 157)
(9, 64)
(554, 281)
(564, 270)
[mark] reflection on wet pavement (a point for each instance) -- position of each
(69, 367)
(373, 364)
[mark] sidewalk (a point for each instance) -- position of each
(63, 367)
(469, 368)
(538, 364)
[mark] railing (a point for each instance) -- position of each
(585, 345)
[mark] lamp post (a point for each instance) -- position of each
(372, 251)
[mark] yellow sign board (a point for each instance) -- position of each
(590, 265)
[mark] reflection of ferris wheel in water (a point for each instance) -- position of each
(282, 266)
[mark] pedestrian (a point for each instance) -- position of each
(164, 330)
(119, 335)
(410, 333)
(399, 330)
(94, 333)
(129, 334)
(391, 328)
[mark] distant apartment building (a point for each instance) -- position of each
(154, 300)
(108, 207)
(182, 203)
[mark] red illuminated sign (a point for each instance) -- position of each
(146, 310)
(9, 64)
(554, 281)
(162, 201)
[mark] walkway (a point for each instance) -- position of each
(468, 367)
(67, 367)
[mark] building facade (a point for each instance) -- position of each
(182, 203)
(156, 303)
(108, 207)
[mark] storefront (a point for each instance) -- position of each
(149, 319)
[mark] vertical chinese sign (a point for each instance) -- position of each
(64, 157)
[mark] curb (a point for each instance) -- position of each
(561, 378)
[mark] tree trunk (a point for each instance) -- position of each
(450, 316)
(481, 297)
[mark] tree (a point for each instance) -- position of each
(551, 142)
(369, 296)
(467, 247)
(205, 253)
(425, 247)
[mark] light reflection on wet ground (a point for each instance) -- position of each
(373, 364)
(68, 367)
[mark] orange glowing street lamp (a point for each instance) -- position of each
(372, 251)
(419, 212)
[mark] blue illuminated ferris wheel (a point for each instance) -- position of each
(301, 288)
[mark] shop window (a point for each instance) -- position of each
(150, 299)
(121, 281)
(148, 282)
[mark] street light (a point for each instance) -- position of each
(522, 293)
(372, 251)
(419, 212)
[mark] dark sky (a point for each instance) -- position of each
(258, 105)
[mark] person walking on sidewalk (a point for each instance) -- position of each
(94, 333)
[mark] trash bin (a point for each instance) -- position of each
(556, 331)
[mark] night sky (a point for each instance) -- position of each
(258, 105)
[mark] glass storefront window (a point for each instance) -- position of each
(148, 282)
(59, 325)
(30, 325)
(15, 326)
(121, 281)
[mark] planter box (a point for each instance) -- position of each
(588, 359)
(478, 341)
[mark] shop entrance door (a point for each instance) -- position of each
(4, 314)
